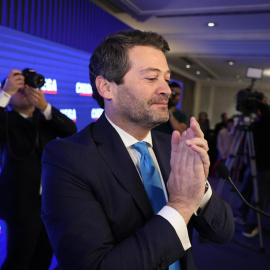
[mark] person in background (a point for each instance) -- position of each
(204, 123)
(119, 195)
(222, 124)
(261, 134)
(177, 118)
(225, 139)
(27, 123)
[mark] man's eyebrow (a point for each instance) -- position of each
(154, 69)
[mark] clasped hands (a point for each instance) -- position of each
(189, 170)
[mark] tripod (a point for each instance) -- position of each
(243, 142)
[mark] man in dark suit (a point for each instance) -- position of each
(27, 123)
(95, 208)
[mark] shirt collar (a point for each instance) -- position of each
(9, 108)
(127, 139)
(24, 115)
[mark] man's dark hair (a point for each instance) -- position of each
(110, 59)
(174, 84)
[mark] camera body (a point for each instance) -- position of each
(32, 78)
(248, 101)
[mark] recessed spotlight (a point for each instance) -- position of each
(211, 24)
(187, 66)
(231, 63)
(198, 72)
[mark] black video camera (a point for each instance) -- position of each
(32, 78)
(248, 101)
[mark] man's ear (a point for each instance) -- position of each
(103, 87)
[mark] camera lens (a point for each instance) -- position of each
(35, 80)
(32, 78)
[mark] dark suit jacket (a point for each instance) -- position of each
(21, 145)
(97, 213)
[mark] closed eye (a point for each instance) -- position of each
(151, 79)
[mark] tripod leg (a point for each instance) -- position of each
(255, 185)
(231, 156)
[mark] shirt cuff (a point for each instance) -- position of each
(205, 199)
(178, 223)
(4, 99)
(48, 112)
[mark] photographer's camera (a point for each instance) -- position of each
(32, 78)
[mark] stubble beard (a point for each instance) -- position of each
(142, 114)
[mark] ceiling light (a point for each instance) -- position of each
(231, 63)
(211, 24)
(187, 66)
(198, 72)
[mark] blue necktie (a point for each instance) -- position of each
(152, 184)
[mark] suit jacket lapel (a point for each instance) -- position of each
(118, 159)
(162, 149)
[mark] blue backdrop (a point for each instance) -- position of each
(65, 70)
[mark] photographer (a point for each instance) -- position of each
(253, 105)
(27, 123)
(261, 135)
(177, 119)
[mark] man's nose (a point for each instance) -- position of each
(164, 88)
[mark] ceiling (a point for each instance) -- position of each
(241, 34)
